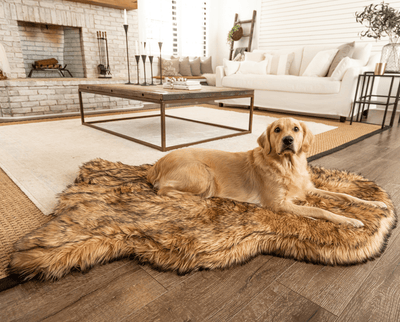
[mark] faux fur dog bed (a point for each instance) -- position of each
(112, 211)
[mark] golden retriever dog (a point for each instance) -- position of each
(272, 175)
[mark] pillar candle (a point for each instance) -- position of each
(137, 48)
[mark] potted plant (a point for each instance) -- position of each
(235, 33)
(382, 20)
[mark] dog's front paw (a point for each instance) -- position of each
(354, 222)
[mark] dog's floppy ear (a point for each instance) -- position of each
(264, 140)
(308, 138)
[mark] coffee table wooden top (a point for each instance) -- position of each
(158, 93)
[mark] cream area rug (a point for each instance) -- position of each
(43, 158)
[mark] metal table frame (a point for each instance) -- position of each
(366, 98)
(162, 99)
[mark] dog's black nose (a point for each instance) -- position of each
(288, 140)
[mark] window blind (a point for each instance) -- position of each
(289, 23)
(180, 24)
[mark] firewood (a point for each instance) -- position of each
(45, 62)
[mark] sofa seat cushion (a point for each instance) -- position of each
(283, 83)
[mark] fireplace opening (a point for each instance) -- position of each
(60, 45)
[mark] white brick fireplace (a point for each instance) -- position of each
(39, 29)
(42, 41)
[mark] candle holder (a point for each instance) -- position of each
(137, 57)
(151, 66)
(127, 54)
(144, 70)
(160, 45)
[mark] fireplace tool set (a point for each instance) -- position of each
(137, 58)
(104, 66)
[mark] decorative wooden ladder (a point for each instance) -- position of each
(250, 35)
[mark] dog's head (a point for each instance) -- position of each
(286, 136)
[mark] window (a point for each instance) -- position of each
(183, 31)
(192, 41)
(155, 25)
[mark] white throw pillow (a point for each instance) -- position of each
(269, 58)
(320, 64)
(253, 56)
(284, 63)
(343, 66)
(231, 67)
(252, 67)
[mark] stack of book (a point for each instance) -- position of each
(185, 85)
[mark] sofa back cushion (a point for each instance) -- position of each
(184, 67)
(362, 52)
(309, 52)
(230, 67)
(253, 67)
(206, 65)
(254, 56)
(294, 67)
(283, 65)
(319, 65)
(195, 66)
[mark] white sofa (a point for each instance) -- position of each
(302, 94)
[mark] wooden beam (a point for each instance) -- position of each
(117, 4)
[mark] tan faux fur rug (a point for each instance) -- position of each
(111, 212)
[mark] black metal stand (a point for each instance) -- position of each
(137, 57)
(151, 66)
(160, 45)
(366, 97)
(127, 54)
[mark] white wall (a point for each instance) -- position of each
(221, 14)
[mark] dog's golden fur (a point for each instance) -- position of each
(272, 175)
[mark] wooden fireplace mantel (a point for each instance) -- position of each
(117, 4)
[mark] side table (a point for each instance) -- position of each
(366, 81)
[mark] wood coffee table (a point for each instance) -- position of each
(157, 94)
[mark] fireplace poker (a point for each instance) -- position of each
(108, 62)
(99, 43)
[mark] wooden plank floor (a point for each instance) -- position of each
(266, 289)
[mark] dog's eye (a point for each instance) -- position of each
(296, 129)
(277, 130)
